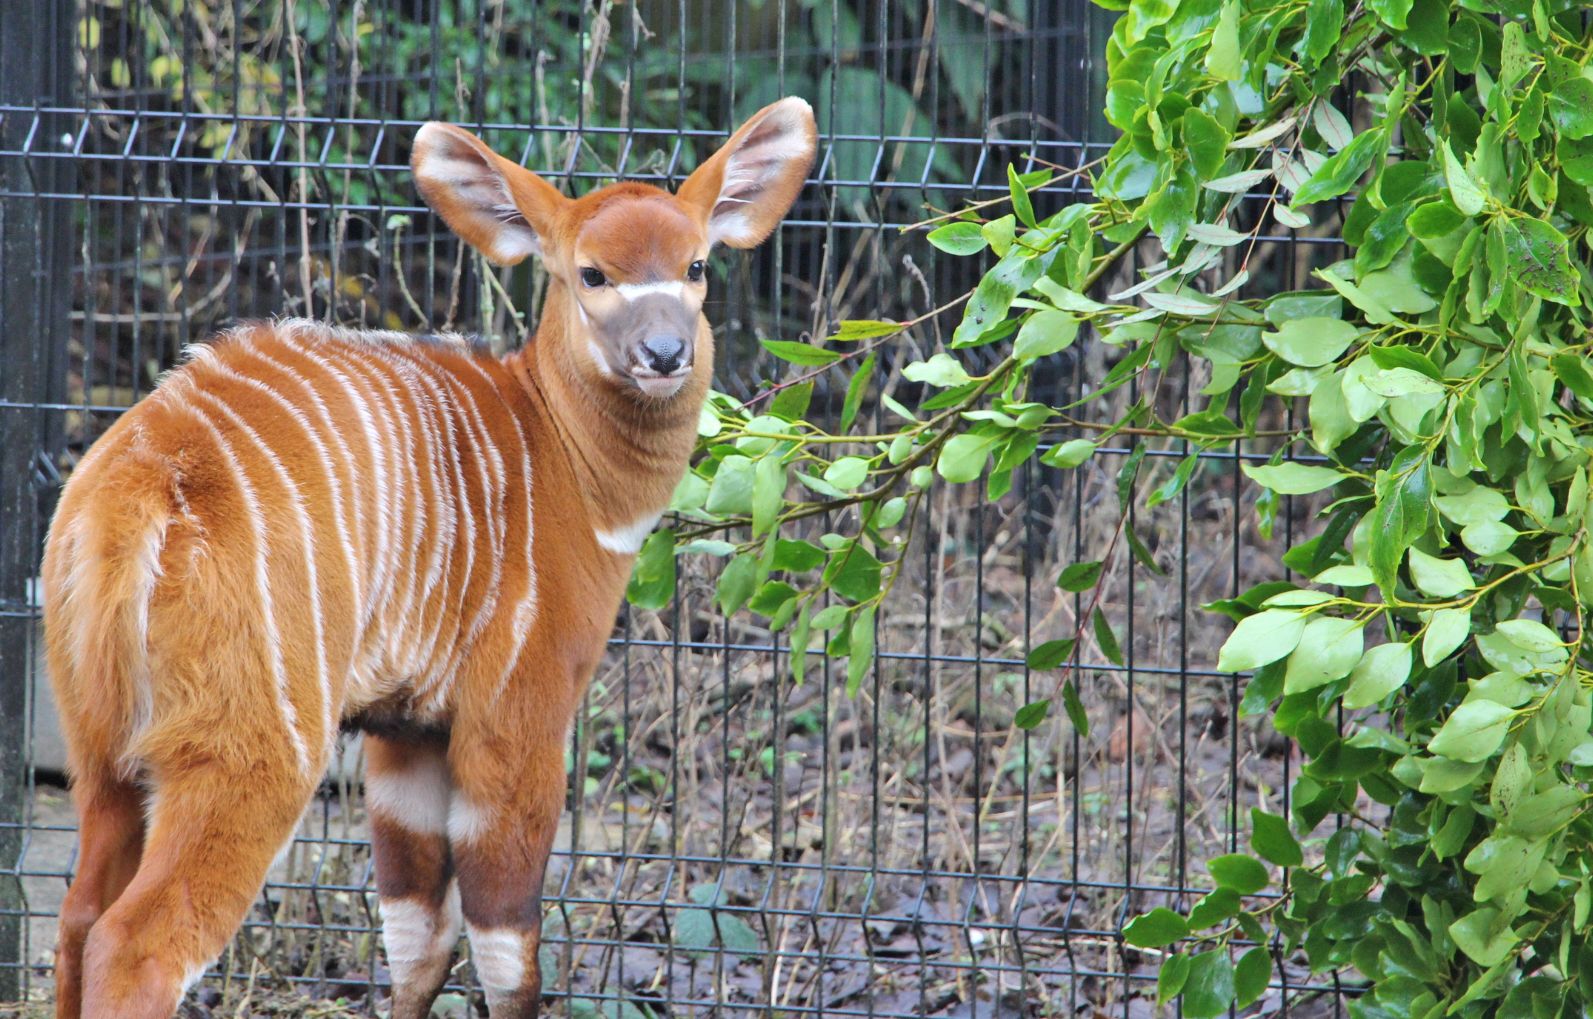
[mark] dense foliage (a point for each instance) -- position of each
(1428, 659)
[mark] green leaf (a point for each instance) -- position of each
(652, 582)
(853, 329)
(1340, 172)
(1446, 631)
(1075, 709)
(1271, 839)
(853, 572)
(941, 371)
(1329, 648)
(1244, 874)
(1484, 935)
(1045, 333)
(1051, 654)
(1473, 732)
(1251, 976)
(1222, 57)
(1068, 454)
(1537, 257)
(1323, 27)
(1381, 671)
(1439, 578)
(1031, 715)
(736, 583)
(1571, 107)
(1171, 978)
(1206, 139)
(1079, 576)
(959, 238)
(860, 650)
(1021, 205)
(855, 389)
(1311, 342)
(1156, 929)
(1464, 190)
(1574, 374)
(800, 353)
(1291, 478)
(1000, 233)
(1392, 12)
(1259, 639)
(847, 473)
(1209, 988)
(963, 457)
(768, 492)
(1107, 639)
(730, 491)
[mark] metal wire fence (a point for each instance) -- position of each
(736, 843)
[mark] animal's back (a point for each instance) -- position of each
(297, 523)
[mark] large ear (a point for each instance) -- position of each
(749, 184)
(498, 206)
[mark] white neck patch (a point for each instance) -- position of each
(627, 540)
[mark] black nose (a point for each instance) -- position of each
(663, 353)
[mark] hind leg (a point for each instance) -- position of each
(213, 834)
(407, 790)
(110, 837)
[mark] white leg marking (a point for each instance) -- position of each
(416, 935)
(627, 539)
(499, 955)
(467, 822)
(416, 797)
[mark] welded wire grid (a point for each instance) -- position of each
(736, 842)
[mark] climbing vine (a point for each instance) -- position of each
(1429, 655)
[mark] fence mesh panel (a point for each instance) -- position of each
(735, 842)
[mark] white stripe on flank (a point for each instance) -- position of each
(499, 956)
(290, 717)
(524, 613)
(489, 461)
(333, 484)
(307, 534)
(416, 935)
(415, 797)
(430, 411)
(633, 291)
(627, 539)
(362, 401)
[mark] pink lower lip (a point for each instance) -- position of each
(660, 385)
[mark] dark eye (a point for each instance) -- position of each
(593, 277)
(694, 271)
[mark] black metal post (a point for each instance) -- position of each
(35, 248)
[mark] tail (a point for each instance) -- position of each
(101, 565)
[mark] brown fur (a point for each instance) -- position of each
(304, 528)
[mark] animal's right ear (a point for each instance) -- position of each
(499, 207)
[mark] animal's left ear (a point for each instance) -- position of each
(745, 188)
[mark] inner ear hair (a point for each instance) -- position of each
(497, 206)
(751, 182)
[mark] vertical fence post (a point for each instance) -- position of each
(35, 239)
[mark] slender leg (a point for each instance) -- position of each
(501, 825)
(212, 836)
(111, 836)
(407, 790)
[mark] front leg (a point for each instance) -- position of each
(508, 795)
(407, 791)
